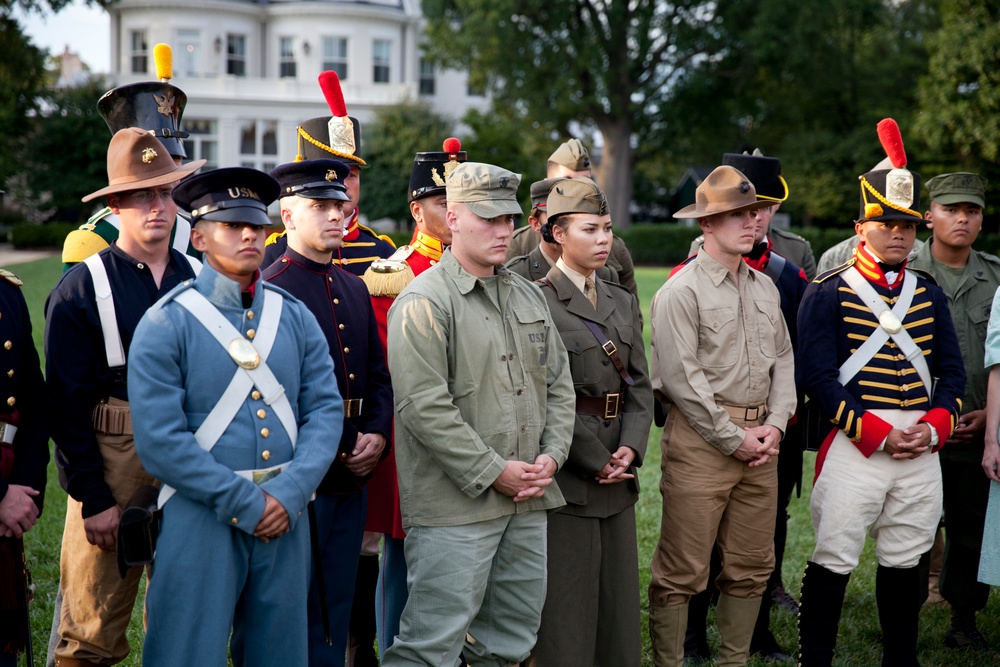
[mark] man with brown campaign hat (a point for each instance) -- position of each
(91, 316)
(970, 279)
(235, 413)
(338, 137)
(570, 160)
(722, 356)
(312, 199)
(157, 107)
(879, 356)
(484, 419)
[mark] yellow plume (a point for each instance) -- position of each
(163, 57)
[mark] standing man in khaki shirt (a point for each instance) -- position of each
(723, 358)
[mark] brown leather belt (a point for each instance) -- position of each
(747, 413)
(608, 406)
(352, 407)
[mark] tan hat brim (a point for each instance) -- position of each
(694, 211)
(493, 208)
(163, 179)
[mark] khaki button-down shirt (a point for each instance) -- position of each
(717, 342)
(480, 377)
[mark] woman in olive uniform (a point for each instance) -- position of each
(592, 539)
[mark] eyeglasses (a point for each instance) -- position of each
(147, 196)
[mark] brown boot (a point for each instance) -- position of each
(666, 633)
(736, 618)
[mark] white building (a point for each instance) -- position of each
(249, 68)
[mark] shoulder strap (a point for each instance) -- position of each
(775, 265)
(106, 311)
(194, 262)
(914, 354)
(182, 234)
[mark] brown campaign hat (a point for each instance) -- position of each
(576, 195)
(726, 189)
(573, 155)
(137, 160)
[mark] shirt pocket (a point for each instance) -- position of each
(717, 337)
(532, 338)
(768, 313)
(979, 317)
(584, 356)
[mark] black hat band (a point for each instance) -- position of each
(240, 203)
(315, 185)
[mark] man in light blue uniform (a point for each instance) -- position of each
(236, 409)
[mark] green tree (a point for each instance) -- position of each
(67, 154)
(607, 64)
(397, 134)
(22, 71)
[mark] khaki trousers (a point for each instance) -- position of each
(708, 496)
(97, 602)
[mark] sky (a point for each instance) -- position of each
(84, 29)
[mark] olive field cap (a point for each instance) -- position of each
(489, 191)
(573, 155)
(957, 188)
(576, 195)
(724, 190)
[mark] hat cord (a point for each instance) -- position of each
(865, 185)
(319, 144)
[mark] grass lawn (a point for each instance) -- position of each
(859, 643)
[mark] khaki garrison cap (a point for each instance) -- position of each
(573, 155)
(489, 191)
(577, 195)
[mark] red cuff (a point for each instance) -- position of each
(942, 421)
(874, 430)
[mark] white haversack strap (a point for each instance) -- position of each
(182, 235)
(106, 311)
(234, 396)
(879, 336)
(193, 261)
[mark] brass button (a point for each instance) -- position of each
(351, 376)
(10, 373)
(264, 432)
(255, 395)
(8, 345)
(347, 350)
(340, 326)
(11, 401)
(261, 413)
(503, 357)
(234, 521)
(330, 279)
(336, 302)
(251, 333)
(266, 454)
(249, 314)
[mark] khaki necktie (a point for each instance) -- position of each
(590, 291)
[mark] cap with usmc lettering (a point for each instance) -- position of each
(234, 194)
(489, 191)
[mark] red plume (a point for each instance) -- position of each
(452, 145)
(329, 82)
(892, 142)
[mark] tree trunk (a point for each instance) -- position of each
(615, 172)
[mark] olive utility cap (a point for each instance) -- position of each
(137, 160)
(572, 155)
(540, 192)
(958, 187)
(489, 191)
(726, 189)
(576, 195)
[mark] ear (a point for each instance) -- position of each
(859, 229)
(114, 203)
(286, 218)
(417, 211)
(558, 233)
(535, 223)
(198, 238)
(929, 217)
(705, 224)
(451, 218)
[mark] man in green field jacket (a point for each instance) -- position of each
(485, 411)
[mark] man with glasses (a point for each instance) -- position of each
(91, 316)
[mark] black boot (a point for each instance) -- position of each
(696, 637)
(361, 640)
(898, 594)
(964, 633)
(820, 603)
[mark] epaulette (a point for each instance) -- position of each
(987, 257)
(618, 286)
(81, 244)
(273, 238)
(172, 294)
(10, 277)
(94, 219)
(389, 276)
(923, 274)
(826, 275)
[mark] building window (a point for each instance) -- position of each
(140, 52)
(188, 53)
(426, 77)
(335, 56)
(474, 90)
(286, 64)
(259, 144)
(202, 142)
(381, 56)
(236, 55)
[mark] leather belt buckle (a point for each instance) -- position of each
(609, 349)
(752, 414)
(612, 405)
(7, 432)
(352, 407)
